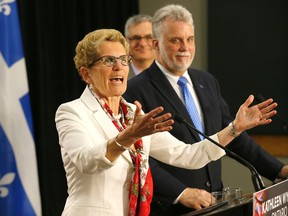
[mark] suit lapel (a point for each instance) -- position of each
(160, 82)
(131, 72)
(104, 122)
(200, 89)
(205, 97)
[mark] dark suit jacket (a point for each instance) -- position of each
(152, 89)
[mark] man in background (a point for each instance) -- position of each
(178, 191)
(138, 31)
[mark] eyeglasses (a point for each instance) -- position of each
(137, 38)
(110, 61)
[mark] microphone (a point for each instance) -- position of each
(260, 98)
(256, 178)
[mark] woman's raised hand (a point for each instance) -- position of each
(150, 123)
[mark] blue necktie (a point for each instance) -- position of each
(190, 105)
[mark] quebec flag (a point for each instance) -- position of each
(19, 186)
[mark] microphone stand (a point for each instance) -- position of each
(256, 178)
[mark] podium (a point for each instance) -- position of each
(269, 201)
(243, 207)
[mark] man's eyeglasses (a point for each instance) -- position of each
(137, 38)
(110, 61)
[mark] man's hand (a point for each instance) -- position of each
(196, 198)
(283, 173)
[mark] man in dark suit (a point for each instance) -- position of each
(178, 191)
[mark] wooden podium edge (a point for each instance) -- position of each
(276, 145)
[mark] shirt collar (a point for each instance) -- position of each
(171, 77)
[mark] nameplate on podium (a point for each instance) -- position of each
(272, 201)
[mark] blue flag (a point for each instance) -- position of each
(19, 186)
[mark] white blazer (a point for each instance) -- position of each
(95, 185)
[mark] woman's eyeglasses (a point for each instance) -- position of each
(110, 61)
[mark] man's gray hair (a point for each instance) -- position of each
(170, 12)
(134, 20)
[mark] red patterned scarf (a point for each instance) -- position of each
(141, 187)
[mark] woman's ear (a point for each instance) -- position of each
(85, 75)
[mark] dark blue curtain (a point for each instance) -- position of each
(247, 52)
(50, 32)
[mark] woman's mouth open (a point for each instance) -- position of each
(117, 79)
